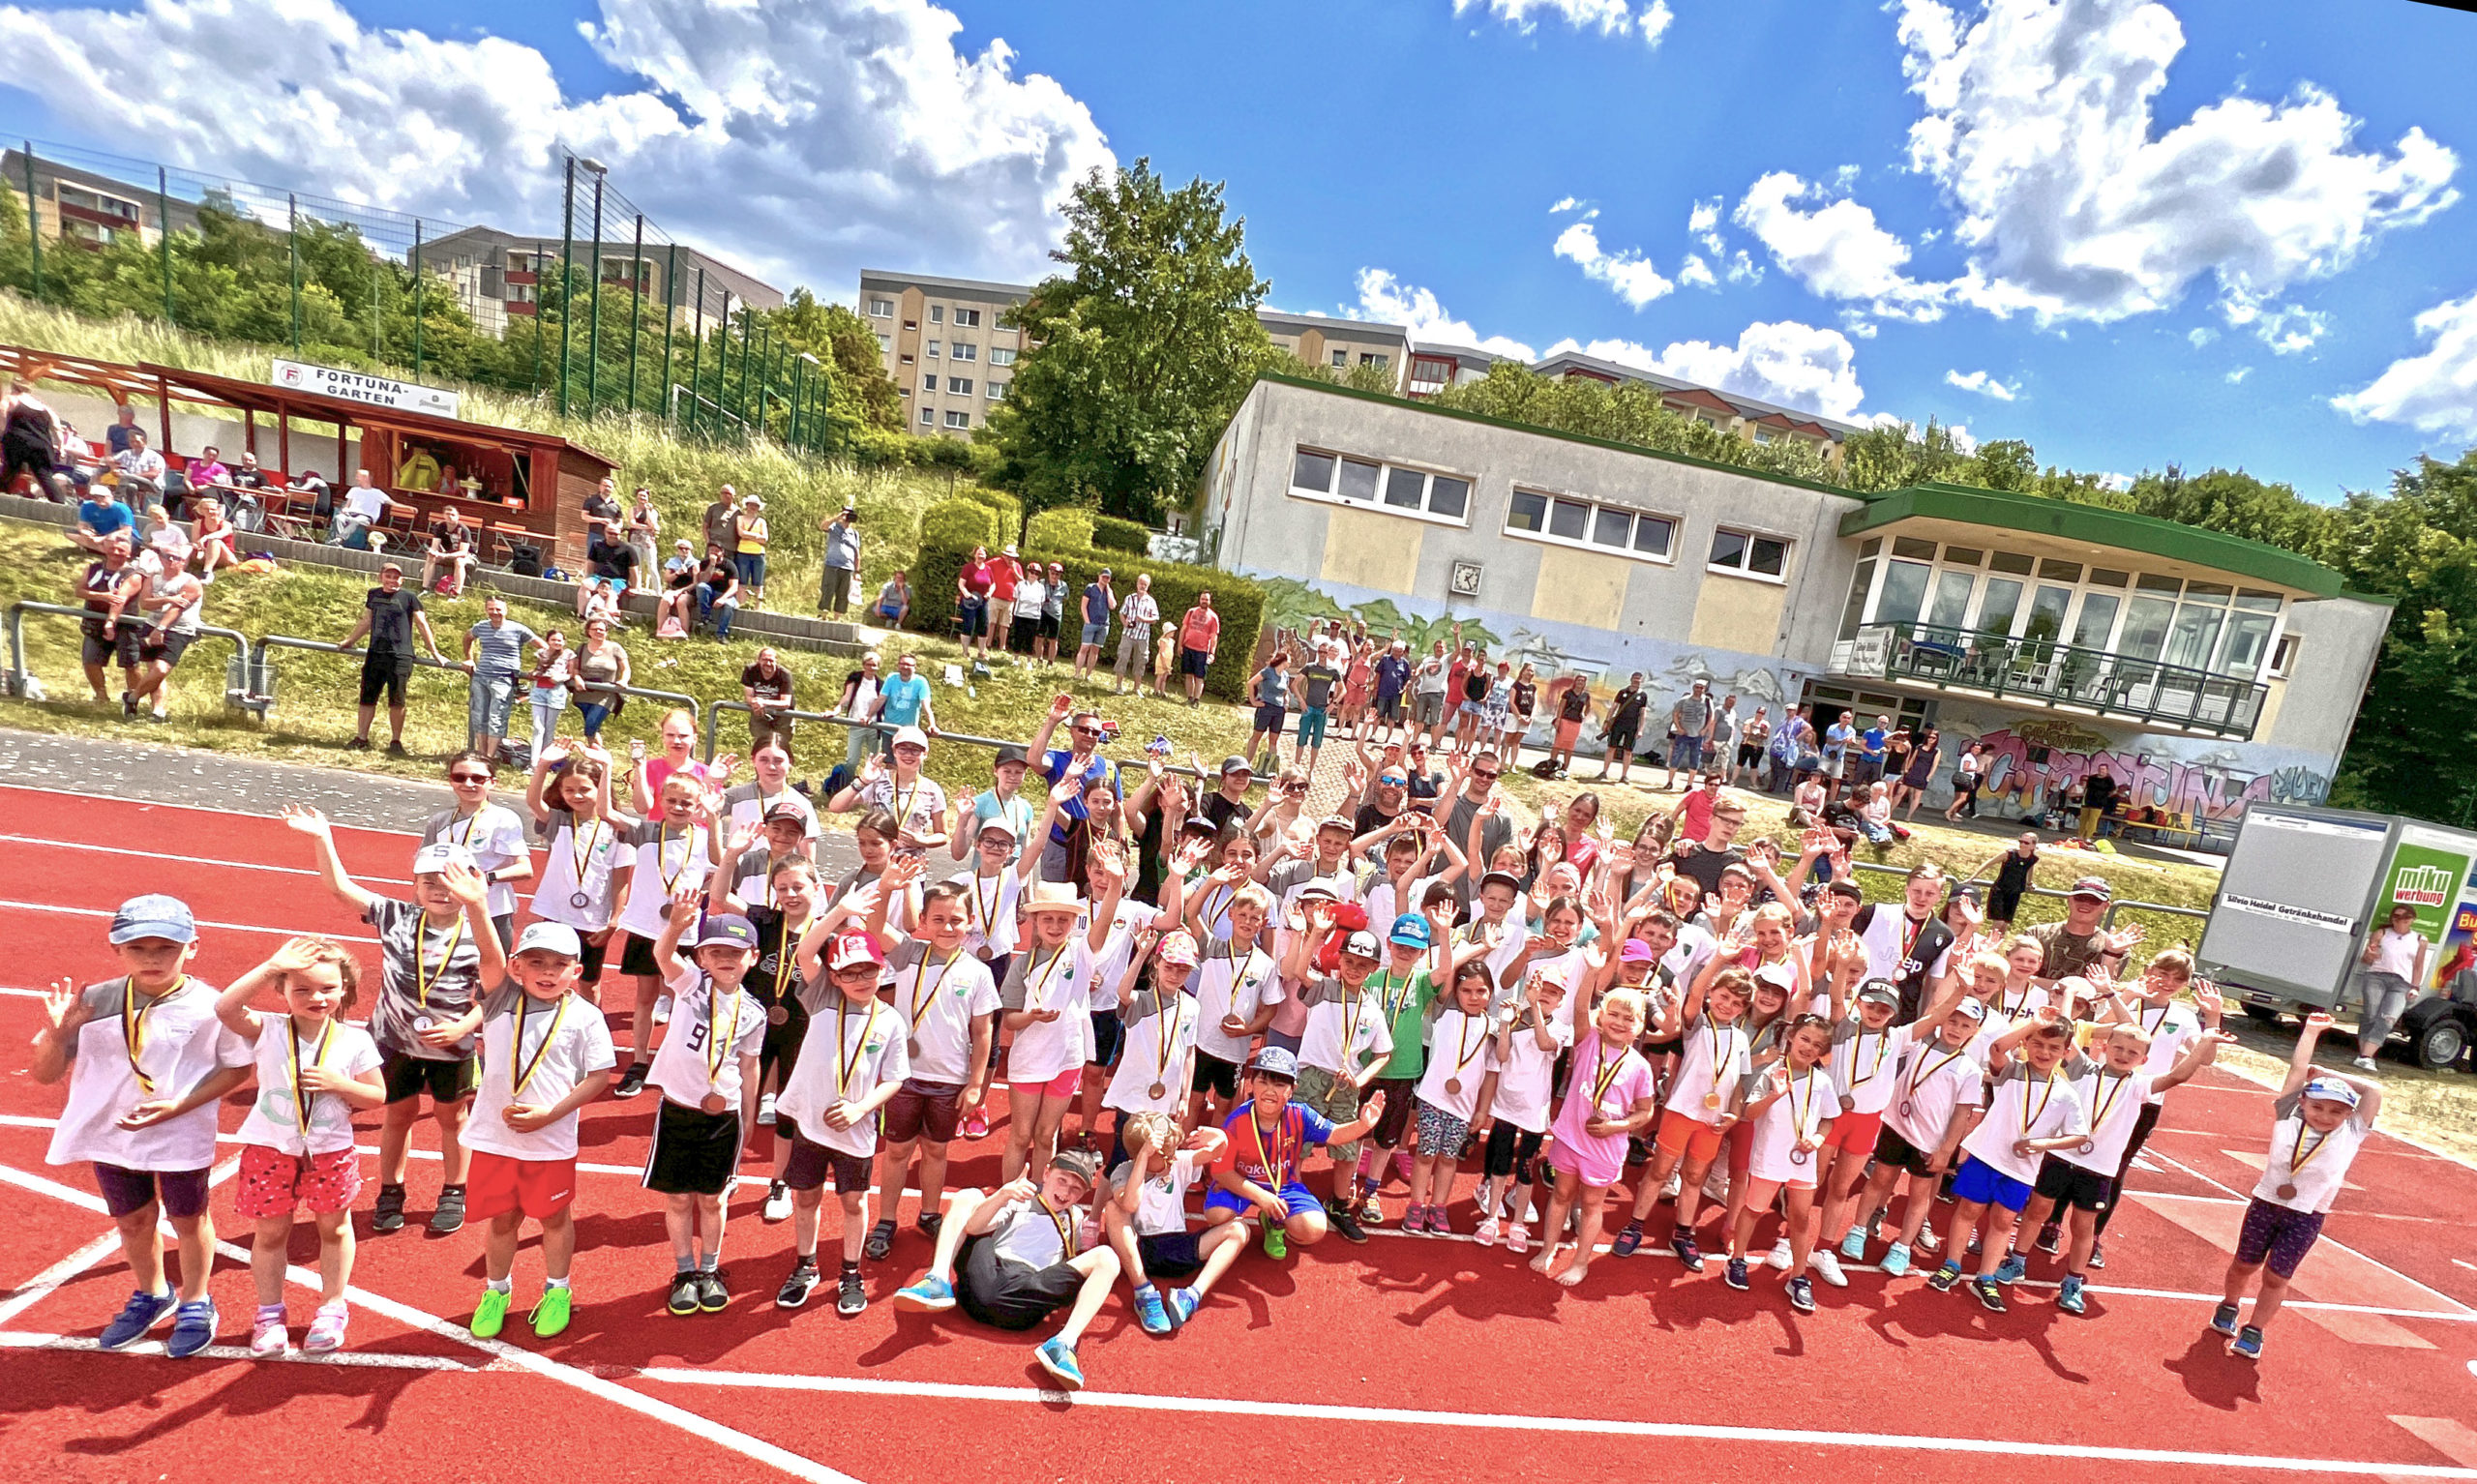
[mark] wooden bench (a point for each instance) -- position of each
(2177, 822)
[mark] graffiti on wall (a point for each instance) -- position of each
(2033, 759)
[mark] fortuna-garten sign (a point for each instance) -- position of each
(360, 387)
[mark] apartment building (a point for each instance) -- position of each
(496, 275)
(1435, 367)
(90, 209)
(1338, 345)
(1754, 420)
(945, 350)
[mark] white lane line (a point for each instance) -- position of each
(1608, 1427)
(41, 1286)
(220, 927)
(21, 1339)
(189, 860)
(755, 1449)
(145, 806)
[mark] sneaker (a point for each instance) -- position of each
(1681, 1244)
(1734, 1275)
(765, 1109)
(849, 1298)
(879, 1245)
(450, 1215)
(142, 1313)
(1943, 1278)
(932, 1295)
(193, 1328)
(662, 1009)
(357, 745)
(396, 749)
(1517, 1238)
(387, 1212)
(2223, 1319)
(2068, 1296)
(1991, 1297)
(683, 1293)
(1977, 1245)
(2249, 1344)
(778, 1203)
(1778, 1257)
(1345, 1225)
(1057, 1358)
(1402, 1166)
(1854, 1245)
(1276, 1246)
(977, 1123)
(2362, 1064)
(1629, 1240)
(1927, 1241)
(713, 1291)
(327, 1329)
(490, 1316)
(127, 703)
(1827, 1266)
(1487, 1232)
(2051, 1238)
(1802, 1294)
(2012, 1268)
(1181, 1304)
(1895, 1259)
(1438, 1224)
(1415, 1220)
(1150, 1313)
(549, 1316)
(1370, 1212)
(632, 1081)
(2098, 1255)
(796, 1287)
(267, 1337)
(929, 1222)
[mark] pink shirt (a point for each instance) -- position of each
(1599, 1158)
(1202, 630)
(659, 770)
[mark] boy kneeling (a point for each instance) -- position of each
(1260, 1168)
(1022, 1258)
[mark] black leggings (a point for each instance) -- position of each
(2142, 1123)
(1510, 1151)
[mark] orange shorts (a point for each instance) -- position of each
(1695, 1139)
(1853, 1133)
(500, 1183)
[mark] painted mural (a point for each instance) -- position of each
(2207, 778)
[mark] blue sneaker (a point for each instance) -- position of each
(2069, 1296)
(2012, 1268)
(1629, 1239)
(1734, 1275)
(144, 1310)
(1802, 1294)
(193, 1328)
(2223, 1319)
(1182, 1304)
(932, 1295)
(1148, 1312)
(1854, 1245)
(1057, 1358)
(1895, 1259)
(2249, 1344)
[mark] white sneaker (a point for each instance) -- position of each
(765, 1109)
(1668, 1192)
(1826, 1264)
(1517, 1238)
(662, 1010)
(1487, 1233)
(778, 1204)
(1779, 1257)
(2365, 1064)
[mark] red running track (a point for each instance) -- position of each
(1390, 1355)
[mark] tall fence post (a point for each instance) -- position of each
(567, 267)
(636, 307)
(696, 352)
(593, 300)
(164, 235)
(292, 246)
(34, 214)
(670, 313)
(417, 298)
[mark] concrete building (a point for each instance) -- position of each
(1337, 345)
(949, 356)
(92, 209)
(1749, 418)
(495, 275)
(1434, 368)
(2202, 669)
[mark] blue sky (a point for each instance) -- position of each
(2250, 249)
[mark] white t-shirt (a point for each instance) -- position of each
(366, 502)
(1937, 1082)
(934, 1000)
(1567, 967)
(989, 905)
(746, 804)
(1028, 1232)
(579, 862)
(2173, 1029)
(2315, 1164)
(2111, 1104)
(2025, 1105)
(1526, 1074)
(496, 838)
(1865, 1065)
(1801, 1113)
(1345, 1030)
(710, 1034)
(1108, 965)
(1058, 980)
(1712, 1061)
(2396, 953)
(1162, 1205)
(1466, 1051)
(1384, 905)
(848, 1053)
(1501, 956)
(179, 1044)
(1159, 1050)
(1227, 984)
(564, 1042)
(667, 858)
(272, 1120)
(2009, 1007)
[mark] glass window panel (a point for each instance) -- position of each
(1449, 497)
(2255, 601)
(1913, 548)
(1652, 535)
(1405, 487)
(2108, 577)
(1568, 518)
(1527, 512)
(2152, 582)
(2003, 600)
(1728, 548)
(2248, 636)
(1904, 593)
(1612, 527)
(1870, 546)
(2098, 619)
(1770, 557)
(2195, 633)
(2207, 592)
(1358, 480)
(1952, 598)
(1964, 556)
(1855, 611)
(2013, 562)
(2046, 613)
(2053, 571)
(2145, 631)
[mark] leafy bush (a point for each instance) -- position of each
(1066, 526)
(1112, 534)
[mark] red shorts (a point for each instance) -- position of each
(274, 1183)
(1741, 1148)
(500, 1183)
(1692, 1138)
(1062, 1085)
(1855, 1133)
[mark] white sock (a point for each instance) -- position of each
(549, 1284)
(506, 1285)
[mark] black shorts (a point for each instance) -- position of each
(1107, 1035)
(383, 671)
(971, 619)
(123, 645)
(1898, 1153)
(1215, 1076)
(1194, 662)
(781, 1052)
(1008, 1295)
(2069, 1184)
(169, 645)
(1620, 739)
(1395, 1126)
(446, 1081)
(1170, 1255)
(811, 1165)
(1749, 754)
(637, 958)
(1048, 627)
(694, 1152)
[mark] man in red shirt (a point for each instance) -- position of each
(1199, 639)
(1005, 572)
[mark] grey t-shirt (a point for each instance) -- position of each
(425, 973)
(1694, 714)
(500, 650)
(1496, 833)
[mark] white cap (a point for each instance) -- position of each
(551, 938)
(430, 859)
(911, 736)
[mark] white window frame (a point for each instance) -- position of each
(928, 383)
(1788, 551)
(1001, 355)
(2284, 652)
(931, 351)
(963, 351)
(959, 386)
(967, 319)
(1676, 524)
(958, 417)
(929, 416)
(994, 391)
(881, 309)
(1385, 469)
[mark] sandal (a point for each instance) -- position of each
(881, 1243)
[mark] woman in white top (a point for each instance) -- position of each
(553, 664)
(2395, 959)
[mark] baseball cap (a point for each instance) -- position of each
(551, 938)
(1970, 1010)
(1176, 948)
(727, 927)
(909, 736)
(1083, 1163)
(154, 915)
(1363, 943)
(432, 859)
(1882, 991)
(1411, 931)
(1234, 764)
(2093, 886)
(1334, 822)
(1006, 755)
(850, 950)
(1635, 951)
(997, 825)
(2331, 1090)
(1327, 888)
(1843, 887)
(786, 813)
(1505, 878)
(1274, 1061)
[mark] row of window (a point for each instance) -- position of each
(883, 309)
(956, 417)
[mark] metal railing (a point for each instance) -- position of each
(2042, 669)
(2108, 920)
(235, 682)
(261, 670)
(714, 720)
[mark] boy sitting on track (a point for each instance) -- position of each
(1014, 1257)
(1147, 1220)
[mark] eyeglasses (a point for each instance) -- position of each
(468, 778)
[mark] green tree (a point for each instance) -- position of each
(1139, 352)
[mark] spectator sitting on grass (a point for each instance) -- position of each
(894, 602)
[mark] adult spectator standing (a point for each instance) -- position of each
(173, 600)
(1967, 773)
(972, 584)
(389, 617)
(1723, 746)
(1571, 697)
(859, 704)
(1006, 575)
(363, 507)
(2013, 871)
(748, 535)
(107, 589)
(1428, 683)
(766, 685)
(139, 470)
(903, 700)
(601, 673)
(1839, 740)
(601, 516)
(2098, 803)
(1753, 738)
(1392, 678)
(1053, 612)
(1032, 591)
(1199, 640)
(841, 563)
(894, 602)
(493, 656)
(1138, 613)
(2080, 945)
(1496, 831)
(1080, 759)
(1920, 771)
(643, 529)
(2395, 961)
(1098, 603)
(1689, 730)
(1870, 766)
(719, 516)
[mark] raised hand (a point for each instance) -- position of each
(1060, 705)
(464, 884)
(635, 751)
(1066, 792)
(308, 820)
(62, 1009)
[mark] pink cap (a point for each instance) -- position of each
(850, 950)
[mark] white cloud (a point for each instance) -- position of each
(1382, 296)
(1984, 384)
(2200, 336)
(1836, 248)
(2434, 392)
(2286, 328)
(2238, 375)
(1704, 218)
(1694, 273)
(1628, 273)
(1962, 438)
(1564, 205)
(851, 131)
(1785, 362)
(1743, 269)
(1609, 17)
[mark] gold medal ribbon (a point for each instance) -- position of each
(300, 1096)
(847, 1063)
(132, 1026)
(923, 998)
(423, 977)
(718, 1047)
(519, 1067)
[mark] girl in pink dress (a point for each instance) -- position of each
(1609, 1097)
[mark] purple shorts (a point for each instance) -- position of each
(183, 1191)
(2277, 1236)
(924, 1108)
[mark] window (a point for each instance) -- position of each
(937, 314)
(961, 386)
(911, 324)
(886, 343)
(967, 319)
(928, 383)
(994, 391)
(929, 416)
(1001, 355)
(1417, 492)
(963, 351)
(1427, 369)
(932, 350)
(1341, 360)
(1744, 553)
(2284, 658)
(881, 309)
(1608, 527)
(904, 360)
(1762, 434)
(1371, 358)
(123, 213)
(1312, 470)
(1911, 548)
(956, 417)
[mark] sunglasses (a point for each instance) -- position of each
(1393, 782)
(1087, 732)
(1487, 775)
(468, 778)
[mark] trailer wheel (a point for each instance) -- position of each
(2442, 1043)
(2261, 1014)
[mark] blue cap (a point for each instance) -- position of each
(2331, 1089)
(1274, 1061)
(154, 915)
(1409, 930)
(726, 927)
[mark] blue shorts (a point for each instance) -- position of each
(1980, 1181)
(1294, 1194)
(1311, 726)
(1686, 752)
(1094, 633)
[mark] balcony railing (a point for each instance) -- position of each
(2059, 674)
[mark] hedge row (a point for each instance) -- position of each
(1112, 534)
(951, 529)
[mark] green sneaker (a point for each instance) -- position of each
(1276, 1247)
(551, 1314)
(490, 1316)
